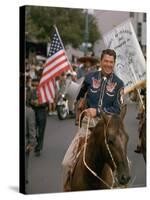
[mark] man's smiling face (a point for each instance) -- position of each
(107, 64)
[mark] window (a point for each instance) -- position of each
(139, 29)
(131, 14)
(144, 17)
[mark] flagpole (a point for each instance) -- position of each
(62, 45)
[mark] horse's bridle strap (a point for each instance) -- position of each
(84, 152)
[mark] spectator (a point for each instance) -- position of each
(89, 63)
(32, 72)
(40, 116)
(30, 132)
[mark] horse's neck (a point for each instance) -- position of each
(94, 154)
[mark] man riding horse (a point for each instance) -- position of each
(104, 91)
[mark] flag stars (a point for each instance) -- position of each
(55, 45)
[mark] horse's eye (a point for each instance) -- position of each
(111, 140)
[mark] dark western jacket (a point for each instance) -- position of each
(102, 92)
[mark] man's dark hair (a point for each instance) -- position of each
(109, 52)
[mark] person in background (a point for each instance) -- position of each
(52, 102)
(74, 76)
(30, 132)
(52, 108)
(89, 64)
(141, 120)
(40, 116)
(32, 72)
(28, 82)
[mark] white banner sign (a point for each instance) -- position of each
(130, 62)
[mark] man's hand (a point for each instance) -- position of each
(91, 112)
(81, 104)
(34, 102)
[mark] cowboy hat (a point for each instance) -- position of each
(88, 58)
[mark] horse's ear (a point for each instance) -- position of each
(123, 111)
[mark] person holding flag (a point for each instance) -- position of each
(44, 89)
(40, 116)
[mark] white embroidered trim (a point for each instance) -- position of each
(111, 95)
(93, 91)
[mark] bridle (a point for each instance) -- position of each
(107, 146)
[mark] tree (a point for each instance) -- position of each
(70, 23)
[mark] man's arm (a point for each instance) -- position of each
(115, 108)
(83, 90)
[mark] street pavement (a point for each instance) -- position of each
(45, 171)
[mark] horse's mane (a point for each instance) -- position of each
(115, 117)
(115, 120)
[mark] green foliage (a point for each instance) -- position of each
(70, 24)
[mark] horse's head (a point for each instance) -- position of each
(115, 145)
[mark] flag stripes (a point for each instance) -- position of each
(47, 92)
(54, 66)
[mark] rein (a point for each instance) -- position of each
(107, 146)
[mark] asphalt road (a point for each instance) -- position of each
(45, 171)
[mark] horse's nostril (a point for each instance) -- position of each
(128, 178)
(125, 179)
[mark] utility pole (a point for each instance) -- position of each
(86, 34)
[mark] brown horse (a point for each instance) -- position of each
(106, 151)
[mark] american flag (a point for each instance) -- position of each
(56, 63)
